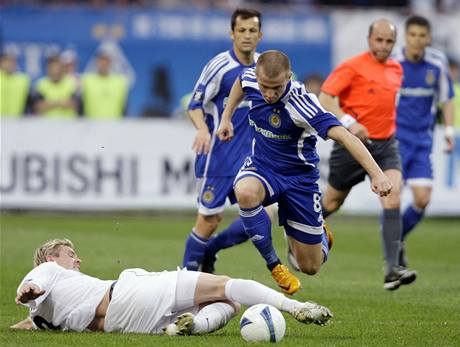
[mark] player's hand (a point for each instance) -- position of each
(202, 142)
(28, 291)
(225, 131)
(450, 142)
(381, 185)
(360, 131)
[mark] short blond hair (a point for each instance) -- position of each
(50, 247)
(273, 63)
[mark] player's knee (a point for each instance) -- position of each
(247, 198)
(392, 203)
(422, 202)
(219, 285)
(309, 266)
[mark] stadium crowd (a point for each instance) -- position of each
(63, 92)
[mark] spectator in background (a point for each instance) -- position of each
(69, 60)
(14, 87)
(313, 83)
(55, 95)
(426, 84)
(104, 94)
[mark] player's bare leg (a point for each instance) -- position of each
(309, 258)
(332, 200)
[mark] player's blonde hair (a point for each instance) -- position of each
(273, 63)
(50, 247)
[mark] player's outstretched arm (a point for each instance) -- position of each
(28, 291)
(381, 184)
(225, 130)
(202, 141)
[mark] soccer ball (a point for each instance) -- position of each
(262, 323)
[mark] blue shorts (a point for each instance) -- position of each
(212, 193)
(416, 163)
(299, 201)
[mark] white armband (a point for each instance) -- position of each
(449, 131)
(347, 120)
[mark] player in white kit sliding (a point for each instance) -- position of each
(60, 297)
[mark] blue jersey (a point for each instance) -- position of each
(210, 94)
(285, 131)
(426, 83)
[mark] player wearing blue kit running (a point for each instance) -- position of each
(282, 168)
(426, 84)
(217, 162)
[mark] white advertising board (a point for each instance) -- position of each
(143, 164)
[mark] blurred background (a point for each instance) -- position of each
(138, 155)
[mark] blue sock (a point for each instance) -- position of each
(195, 246)
(258, 227)
(325, 246)
(233, 235)
(411, 217)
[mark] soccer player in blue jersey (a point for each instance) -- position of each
(217, 162)
(282, 167)
(426, 84)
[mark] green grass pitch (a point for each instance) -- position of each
(426, 313)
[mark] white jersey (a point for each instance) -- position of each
(70, 299)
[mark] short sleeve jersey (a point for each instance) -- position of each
(70, 299)
(426, 83)
(367, 90)
(285, 131)
(210, 94)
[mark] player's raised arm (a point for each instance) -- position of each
(380, 184)
(225, 130)
(202, 141)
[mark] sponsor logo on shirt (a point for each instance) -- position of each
(268, 133)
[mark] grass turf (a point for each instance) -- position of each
(426, 313)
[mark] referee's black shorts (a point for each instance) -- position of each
(345, 172)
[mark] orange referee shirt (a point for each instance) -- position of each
(367, 90)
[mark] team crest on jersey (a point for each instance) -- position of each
(208, 194)
(275, 119)
(430, 77)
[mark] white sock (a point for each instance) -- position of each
(248, 292)
(212, 317)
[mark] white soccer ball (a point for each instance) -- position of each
(262, 323)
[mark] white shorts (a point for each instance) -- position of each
(145, 302)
